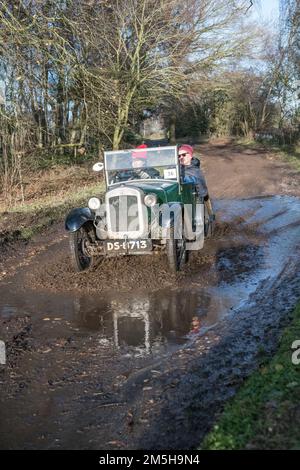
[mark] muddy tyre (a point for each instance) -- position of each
(79, 259)
(208, 224)
(176, 252)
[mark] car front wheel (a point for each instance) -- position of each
(78, 241)
(176, 251)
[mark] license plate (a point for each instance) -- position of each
(128, 246)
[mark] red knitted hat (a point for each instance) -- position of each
(140, 155)
(187, 148)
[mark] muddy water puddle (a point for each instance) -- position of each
(156, 322)
(133, 325)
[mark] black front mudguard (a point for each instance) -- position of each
(77, 218)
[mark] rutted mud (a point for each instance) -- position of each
(117, 357)
(146, 273)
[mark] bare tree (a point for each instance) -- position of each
(81, 73)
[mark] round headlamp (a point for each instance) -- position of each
(150, 200)
(94, 203)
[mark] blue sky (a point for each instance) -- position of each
(266, 9)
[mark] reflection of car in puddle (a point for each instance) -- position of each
(132, 325)
(154, 324)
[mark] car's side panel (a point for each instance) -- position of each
(188, 195)
(77, 218)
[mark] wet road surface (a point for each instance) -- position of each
(121, 368)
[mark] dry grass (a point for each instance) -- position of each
(49, 194)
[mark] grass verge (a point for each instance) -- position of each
(265, 413)
(288, 153)
(25, 221)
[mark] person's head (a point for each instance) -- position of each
(185, 154)
(139, 158)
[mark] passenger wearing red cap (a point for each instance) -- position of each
(139, 163)
(192, 174)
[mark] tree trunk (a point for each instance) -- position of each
(172, 129)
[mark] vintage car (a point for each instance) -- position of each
(147, 209)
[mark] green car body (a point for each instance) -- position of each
(95, 230)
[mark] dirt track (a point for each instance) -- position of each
(128, 357)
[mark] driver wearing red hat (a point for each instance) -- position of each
(139, 155)
(139, 163)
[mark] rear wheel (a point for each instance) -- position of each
(208, 223)
(78, 242)
(176, 251)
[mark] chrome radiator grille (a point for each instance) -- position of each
(126, 213)
(123, 212)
